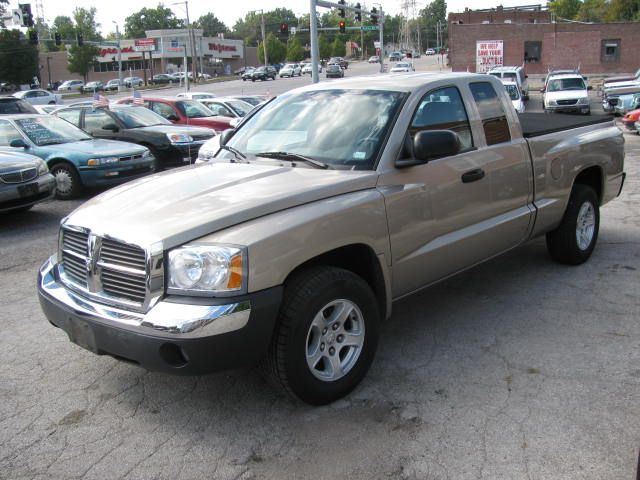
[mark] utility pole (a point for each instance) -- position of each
(119, 57)
(381, 23)
(264, 39)
(191, 47)
(315, 56)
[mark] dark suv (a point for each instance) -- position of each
(264, 73)
(13, 105)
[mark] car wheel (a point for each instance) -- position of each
(575, 238)
(52, 102)
(326, 336)
(68, 183)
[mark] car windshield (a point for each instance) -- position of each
(14, 105)
(559, 84)
(136, 117)
(333, 68)
(47, 130)
(193, 109)
(513, 92)
(402, 65)
(343, 128)
(239, 107)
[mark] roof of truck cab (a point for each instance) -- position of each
(391, 82)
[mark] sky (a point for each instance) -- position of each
(228, 12)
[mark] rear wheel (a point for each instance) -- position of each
(68, 184)
(326, 336)
(575, 238)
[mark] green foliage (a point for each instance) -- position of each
(338, 48)
(65, 27)
(249, 28)
(623, 10)
(295, 52)
(81, 59)
(18, 59)
(85, 21)
(592, 11)
(210, 25)
(276, 50)
(157, 18)
(429, 16)
(324, 46)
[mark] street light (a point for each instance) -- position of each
(119, 56)
(191, 46)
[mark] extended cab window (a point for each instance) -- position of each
(494, 119)
(163, 110)
(71, 115)
(95, 120)
(443, 109)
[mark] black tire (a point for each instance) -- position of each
(52, 103)
(68, 184)
(308, 293)
(562, 243)
(158, 166)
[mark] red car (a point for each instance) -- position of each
(631, 118)
(183, 111)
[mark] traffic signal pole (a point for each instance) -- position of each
(315, 60)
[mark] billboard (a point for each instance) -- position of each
(145, 45)
(489, 54)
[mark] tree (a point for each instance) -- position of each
(158, 18)
(2, 10)
(85, 20)
(82, 58)
(276, 50)
(295, 52)
(324, 46)
(18, 58)
(431, 14)
(565, 8)
(592, 11)
(338, 48)
(623, 11)
(65, 27)
(210, 25)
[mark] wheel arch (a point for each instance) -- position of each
(593, 177)
(359, 259)
(52, 162)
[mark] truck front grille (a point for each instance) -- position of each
(19, 176)
(105, 268)
(572, 101)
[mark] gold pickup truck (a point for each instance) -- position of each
(288, 248)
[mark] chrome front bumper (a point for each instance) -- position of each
(167, 318)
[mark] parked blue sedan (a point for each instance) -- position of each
(75, 159)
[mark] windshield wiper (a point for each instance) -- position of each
(292, 157)
(237, 153)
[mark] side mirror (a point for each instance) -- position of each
(226, 135)
(526, 76)
(112, 127)
(172, 117)
(235, 122)
(431, 144)
(18, 143)
(542, 90)
(589, 87)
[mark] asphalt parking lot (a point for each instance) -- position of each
(518, 369)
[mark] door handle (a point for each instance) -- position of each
(472, 175)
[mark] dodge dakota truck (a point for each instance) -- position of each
(288, 249)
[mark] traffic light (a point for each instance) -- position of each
(80, 39)
(341, 10)
(27, 17)
(284, 28)
(358, 13)
(58, 38)
(343, 27)
(374, 16)
(33, 37)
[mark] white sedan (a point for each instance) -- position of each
(402, 67)
(307, 68)
(39, 97)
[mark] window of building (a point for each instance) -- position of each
(443, 109)
(532, 52)
(610, 51)
(494, 119)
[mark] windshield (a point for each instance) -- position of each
(16, 106)
(239, 107)
(513, 92)
(135, 117)
(566, 84)
(338, 127)
(193, 109)
(47, 130)
(402, 65)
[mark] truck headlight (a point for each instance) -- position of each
(551, 102)
(179, 138)
(207, 268)
(583, 101)
(42, 168)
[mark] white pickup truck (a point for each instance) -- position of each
(325, 205)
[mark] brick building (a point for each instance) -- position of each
(530, 36)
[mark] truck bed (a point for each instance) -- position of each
(536, 124)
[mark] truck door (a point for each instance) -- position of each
(440, 214)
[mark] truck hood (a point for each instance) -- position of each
(565, 95)
(196, 132)
(628, 83)
(185, 204)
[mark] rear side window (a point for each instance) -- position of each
(494, 119)
(96, 119)
(8, 133)
(70, 115)
(443, 109)
(15, 105)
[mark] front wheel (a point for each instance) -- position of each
(575, 238)
(68, 183)
(326, 336)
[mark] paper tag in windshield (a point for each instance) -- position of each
(359, 155)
